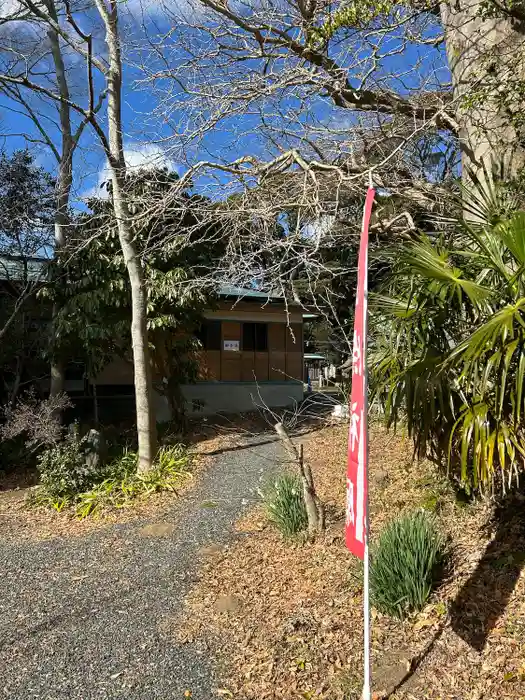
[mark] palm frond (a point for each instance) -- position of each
(512, 235)
(401, 308)
(425, 260)
(450, 358)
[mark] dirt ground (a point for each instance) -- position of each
(96, 613)
(205, 438)
(285, 618)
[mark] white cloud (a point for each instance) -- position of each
(9, 8)
(147, 155)
(183, 9)
(14, 25)
(138, 157)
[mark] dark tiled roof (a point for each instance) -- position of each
(12, 268)
(228, 290)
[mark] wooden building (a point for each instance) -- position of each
(252, 354)
(252, 338)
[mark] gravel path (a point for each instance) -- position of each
(94, 617)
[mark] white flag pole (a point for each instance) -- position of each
(366, 605)
(367, 685)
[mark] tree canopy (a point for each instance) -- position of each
(177, 250)
(26, 233)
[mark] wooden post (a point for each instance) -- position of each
(314, 508)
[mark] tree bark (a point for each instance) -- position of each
(486, 57)
(314, 507)
(63, 190)
(146, 423)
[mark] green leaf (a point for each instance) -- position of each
(449, 353)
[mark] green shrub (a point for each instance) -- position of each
(64, 471)
(124, 485)
(172, 458)
(66, 480)
(122, 465)
(285, 504)
(405, 564)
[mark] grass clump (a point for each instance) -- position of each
(285, 505)
(406, 563)
(117, 484)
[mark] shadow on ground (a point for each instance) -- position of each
(18, 478)
(257, 426)
(485, 595)
(482, 600)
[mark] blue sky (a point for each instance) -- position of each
(147, 136)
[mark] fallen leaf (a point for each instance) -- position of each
(425, 622)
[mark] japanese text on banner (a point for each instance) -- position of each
(356, 477)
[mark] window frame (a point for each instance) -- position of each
(254, 341)
(204, 335)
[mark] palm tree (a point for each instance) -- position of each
(448, 341)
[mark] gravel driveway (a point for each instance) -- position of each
(95, 617)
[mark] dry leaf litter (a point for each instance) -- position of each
(285, 618)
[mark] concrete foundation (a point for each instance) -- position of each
(206, 398)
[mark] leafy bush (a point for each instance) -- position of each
(64, 470)
(450, 354)
(125, 486)
(172, 458)
(28, 428)
(285, 504)
(405, 564)
(121, 466)
(67, 481)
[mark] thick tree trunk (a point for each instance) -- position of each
(58, 364)
(486, 59)
(146, 423)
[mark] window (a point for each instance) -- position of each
(75, 370)
(210, 335)
(255, 337)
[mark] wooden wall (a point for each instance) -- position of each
(294, 351)
(283, 361)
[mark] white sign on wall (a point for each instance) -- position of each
(232, 345)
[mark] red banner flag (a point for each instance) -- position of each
(356, 476)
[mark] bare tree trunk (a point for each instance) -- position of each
(486, 57)
(63, 190)
(314, 507)
(146, 423)
(16, 384)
